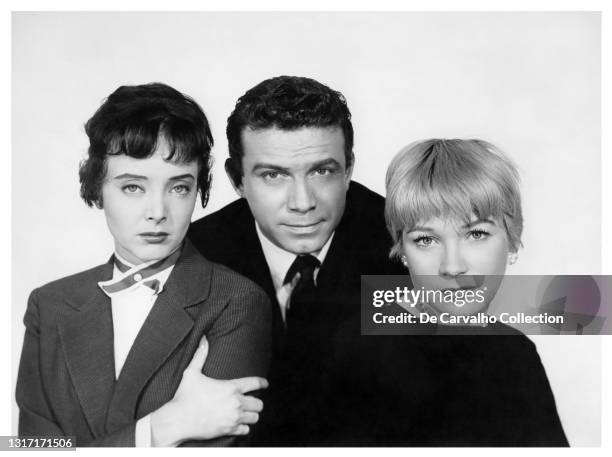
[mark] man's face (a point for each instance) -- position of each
(295, 183)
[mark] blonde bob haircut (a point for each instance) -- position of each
(452, 180)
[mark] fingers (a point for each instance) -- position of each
(249, 384)
(198, 359)
(248, 417)
(241, 430)
(249, 403)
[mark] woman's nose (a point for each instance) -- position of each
(156, 209)
(453, 262)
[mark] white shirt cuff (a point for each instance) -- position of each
(143, 432)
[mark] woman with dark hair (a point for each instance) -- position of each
(146, 349)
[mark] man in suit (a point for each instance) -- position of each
(305, 233)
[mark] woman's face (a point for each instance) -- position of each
(148, 204)
(450, 255)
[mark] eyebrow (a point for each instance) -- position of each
(314, 166)
(424, 228)
(173, 178)
(478, 221)
(324, 163)
(268, 166)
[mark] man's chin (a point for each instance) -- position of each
(302, 246)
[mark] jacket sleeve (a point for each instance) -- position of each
(240, 344)
(36, 417)
(541, 425)
(240, 339)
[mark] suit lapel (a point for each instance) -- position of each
(254, 266)
(251, 261)
(86, 335)
(166, 326)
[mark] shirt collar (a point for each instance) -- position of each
(161, 276)
(280, 260)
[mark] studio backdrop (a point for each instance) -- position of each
(527, 82)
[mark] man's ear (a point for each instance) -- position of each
(234, 176)
(349, 170)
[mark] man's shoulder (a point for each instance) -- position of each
(226, 217)
(225, 235)
(364, 214)
(361, 199)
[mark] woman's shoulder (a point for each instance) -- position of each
(234, 282)
(224, 280)
(512, 341)
(76, 280)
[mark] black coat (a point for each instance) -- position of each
(477, 389)
(330, 386)
(297, 402)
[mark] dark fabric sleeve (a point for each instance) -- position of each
(240, 339)
(36, 417)
(540, 425)
(240, 346)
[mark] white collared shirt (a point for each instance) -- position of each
(279, 261)
(130, 309)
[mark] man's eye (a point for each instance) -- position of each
(323, 171)
(131, 188)
(270, 174)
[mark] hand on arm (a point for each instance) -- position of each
(204, 408)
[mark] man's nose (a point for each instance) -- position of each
(301, 198)
(453, 261)
(155, 210)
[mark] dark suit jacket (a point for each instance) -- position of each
(299, 394)
(66, 384)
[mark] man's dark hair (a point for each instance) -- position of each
(131, 121)
(286, 103)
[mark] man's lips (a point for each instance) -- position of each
(302, 228)
(302, 225)
(154, 237)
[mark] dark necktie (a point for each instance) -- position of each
(303, 295)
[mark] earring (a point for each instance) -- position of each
(405, 261)
(512, 258)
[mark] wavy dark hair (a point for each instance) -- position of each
(131, 121)
(286, 103)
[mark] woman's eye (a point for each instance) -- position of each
(424, 241)
(181, 189)
(131, 188)
(478, 234)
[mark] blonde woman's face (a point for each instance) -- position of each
(450, 255)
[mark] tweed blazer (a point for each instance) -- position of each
(66, 384)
